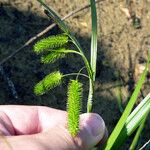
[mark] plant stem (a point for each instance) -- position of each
(72, 74)
(90, 69)
(90, 96)
(67, 51)
(52, 14)
(76, 43)
(79, 72)
(144, 146)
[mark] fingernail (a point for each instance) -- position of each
(92, 129)
(95, 125)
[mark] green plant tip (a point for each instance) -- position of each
(74, 106)
(50, 43)
(50, 81)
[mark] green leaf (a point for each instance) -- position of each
(50, 81)
(51, 13)
(120, 127)
(133, 121)
(93, 54)
(94, 38)
(136, 117)
(138, 134)
(50, 43)
(74, 106)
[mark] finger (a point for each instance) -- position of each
(29, 119)
(92, 131)
(103, 140)
(92, 126)
(6, 127)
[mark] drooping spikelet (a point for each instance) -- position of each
(50, 81)
(50, 43)
(74, 106)
(53, 56)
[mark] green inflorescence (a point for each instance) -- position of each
(50, 43)
(74, 106)
(52, 49)
(52, 57)
(50, 81)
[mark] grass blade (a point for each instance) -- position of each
(94, 38)
(138, 134)
(93, 54)
(55, 17)
(133, 122)
(136, 117)
(120, 125)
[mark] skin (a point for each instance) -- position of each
(43, 128)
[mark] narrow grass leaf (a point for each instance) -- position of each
(50, 43)
(50, 81)
(93, 54)
(138, 134)
(74, 106)
(121, 123)
(52, 14)
(144, 102)
(93, 37)
(136, 117)
(133, 121)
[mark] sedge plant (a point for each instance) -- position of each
(54, 48)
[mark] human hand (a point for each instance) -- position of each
(43, 128)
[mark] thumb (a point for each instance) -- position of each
(92, 130)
